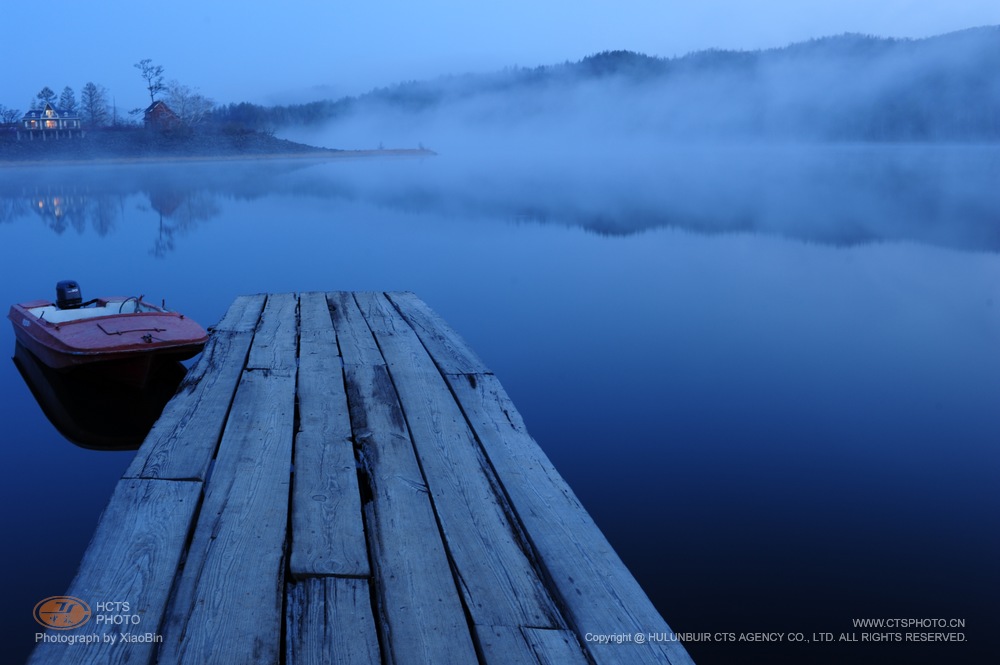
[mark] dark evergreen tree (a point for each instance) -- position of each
(94, 105)
(46, 96)
(67, 100)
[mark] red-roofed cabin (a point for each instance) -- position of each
(160, 116)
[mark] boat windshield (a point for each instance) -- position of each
(101, 308)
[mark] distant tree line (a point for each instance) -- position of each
(849, 87)
(93, 107)
(97, 109)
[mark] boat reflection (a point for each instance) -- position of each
(94, 411)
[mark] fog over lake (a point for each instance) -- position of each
(768, 370)
(736, 264)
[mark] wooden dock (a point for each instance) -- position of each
(340, 479)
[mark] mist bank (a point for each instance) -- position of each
(842, 88)
(834, 195)
(843, 195)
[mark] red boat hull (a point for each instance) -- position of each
(126, 344)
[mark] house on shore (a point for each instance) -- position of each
(161, 117)
(49, 122)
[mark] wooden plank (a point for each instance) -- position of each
(451, 353)
(498, 580)
(328, 536)
(183, 440)
(505, 645)
(316, 323)
(132, 558)
(419, 610)
(419, 607)
(554, 647)
(329, 622)
(353, 336)
(276, 340)
(242, 315)
(227, 607)
(598, 593)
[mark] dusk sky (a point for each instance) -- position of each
(299, 50)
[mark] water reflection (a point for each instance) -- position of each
(101, 198)
(179, 211)
(94, 411)
(807, 417)
(834, 195)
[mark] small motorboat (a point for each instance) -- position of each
(124, 334)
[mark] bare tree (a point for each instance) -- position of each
(153, 76)
(9, 116)
(190, 106)
(94, 105)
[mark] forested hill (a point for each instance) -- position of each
(848, 87)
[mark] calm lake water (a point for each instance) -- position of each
(771, 374)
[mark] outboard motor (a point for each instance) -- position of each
(68, 294)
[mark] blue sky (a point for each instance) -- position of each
(298, 50)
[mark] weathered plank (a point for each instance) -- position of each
(328, 536)
(242, 315)
(276, 339)
(132, 558)
(496, 575)
(419, 610)
(353, 336)
(329, 622)
(598, 593)
(449, 350)
(505, 645)
(183, 440)
(554, 647)
(419, 606)
(228, 599)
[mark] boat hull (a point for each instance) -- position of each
(126, 344)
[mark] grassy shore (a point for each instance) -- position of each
(138, 145)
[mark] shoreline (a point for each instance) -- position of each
(318, 154)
